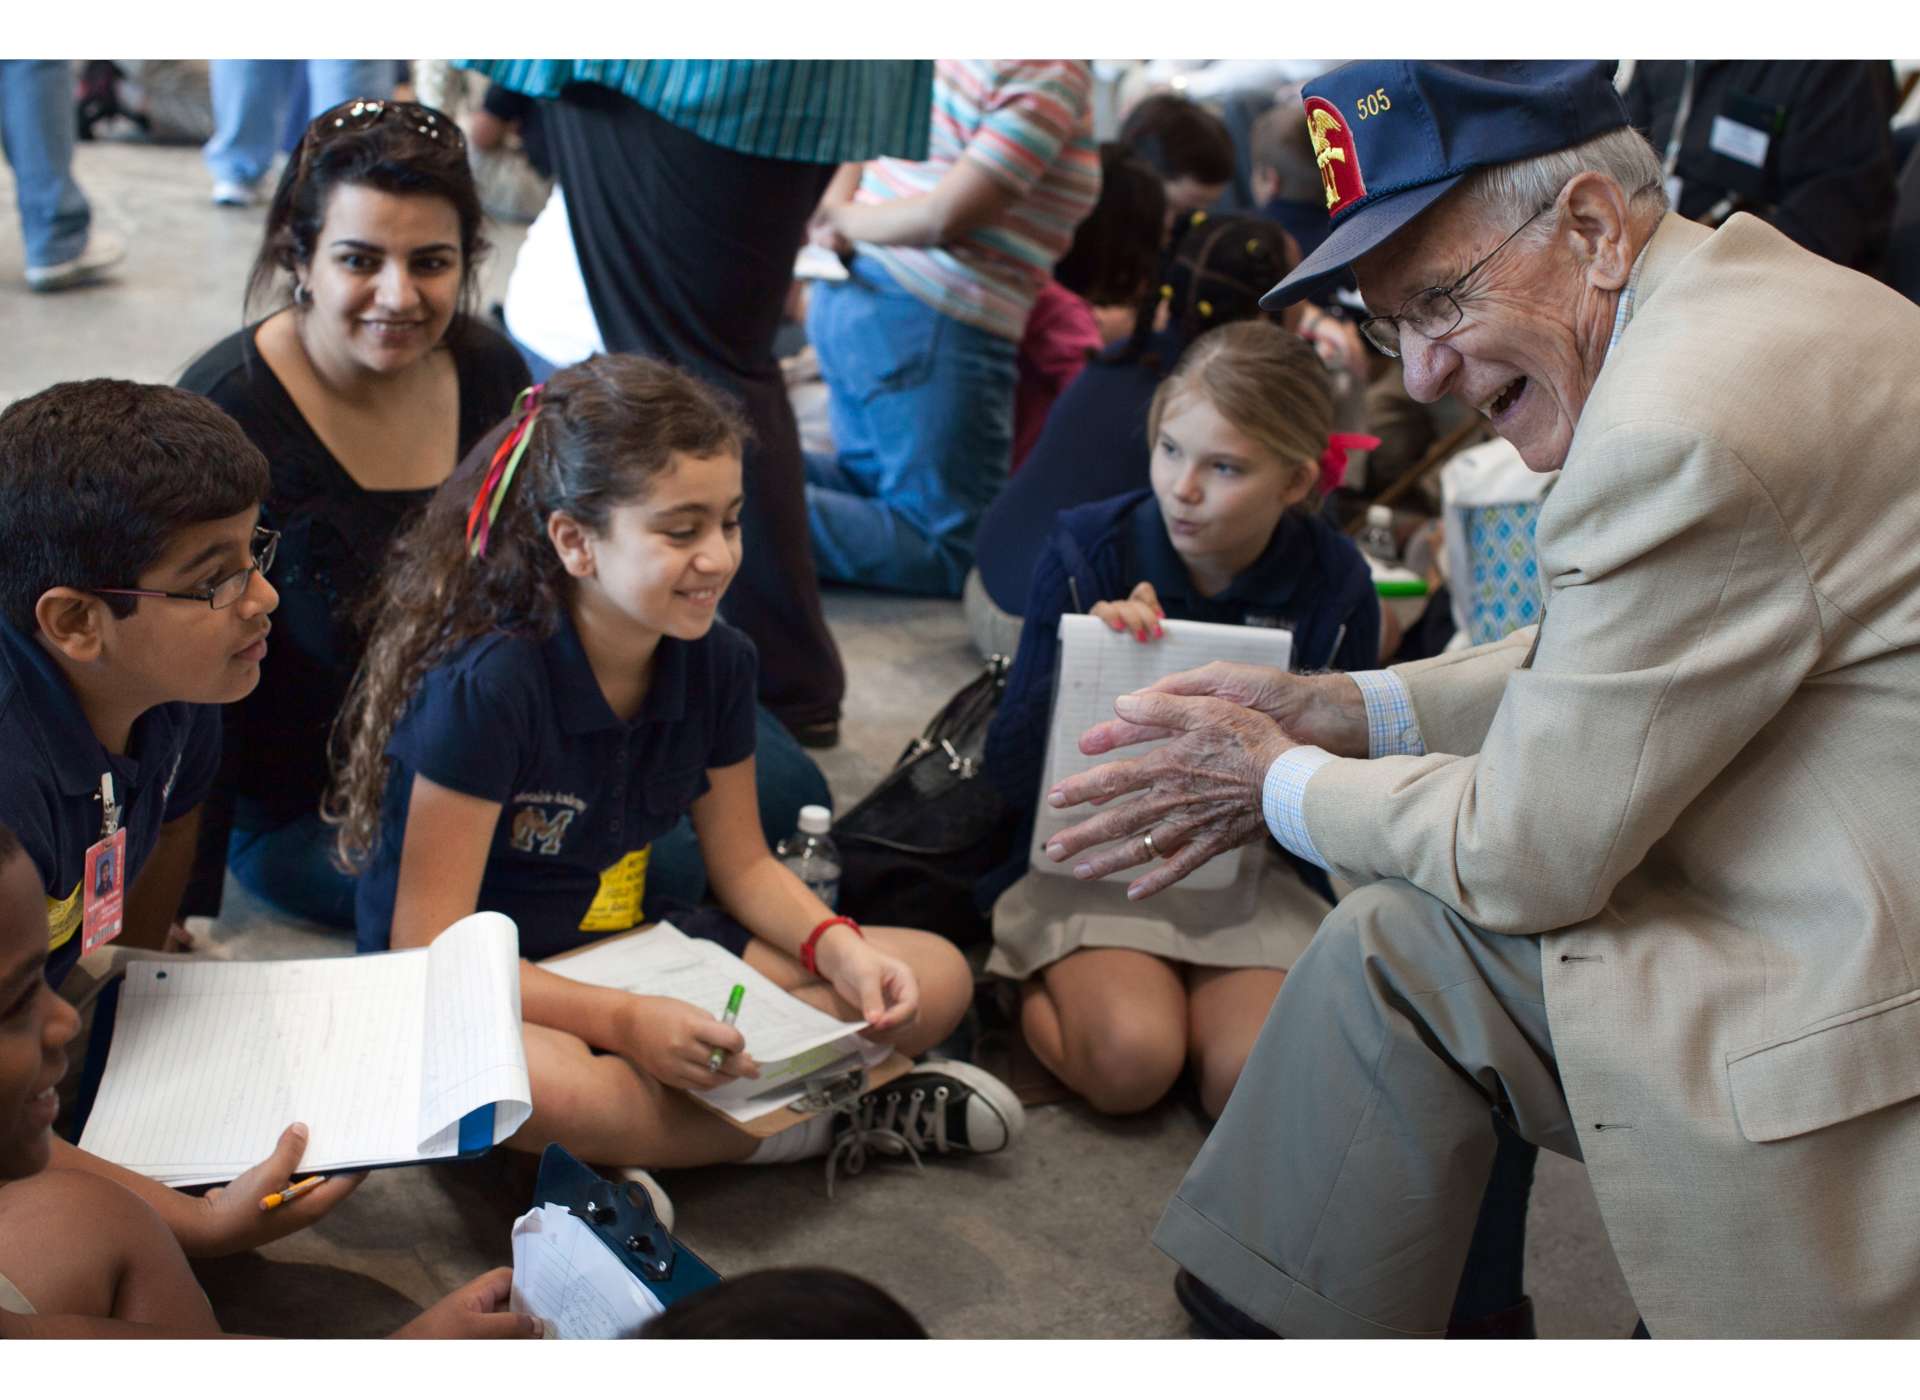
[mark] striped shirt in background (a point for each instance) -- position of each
(1029, 124)
(817, 111)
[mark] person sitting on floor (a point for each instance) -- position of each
(918, 345)
(132, 605)
(548, 690)
(81, 1255)
(363, 389)
(1115, 1004)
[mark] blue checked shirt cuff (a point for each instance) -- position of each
(1392, 731)
(1283, 799)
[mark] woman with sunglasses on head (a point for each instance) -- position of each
(364, 384)
(364, 387)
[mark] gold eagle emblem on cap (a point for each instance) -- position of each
(1319, 123)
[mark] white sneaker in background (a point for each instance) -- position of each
(103, 250)
(662, 1207)
(234, 194)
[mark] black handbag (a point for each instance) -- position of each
(911, 849)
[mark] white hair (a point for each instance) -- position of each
(1511, 194)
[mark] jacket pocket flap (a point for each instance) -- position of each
(1829, 1073)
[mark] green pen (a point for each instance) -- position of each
(727, 1017)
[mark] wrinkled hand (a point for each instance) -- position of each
(475, 1312)
(1139, 613)
(878, 983)
(1199, 795)
(1324, 710)
(672, 1040)
(230, 1219)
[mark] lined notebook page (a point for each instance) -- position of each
(210, 1061)
(1097, 666)
(474, 1054)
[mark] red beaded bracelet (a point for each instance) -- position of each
(813, 939)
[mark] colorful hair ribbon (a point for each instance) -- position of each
(1333, 462)
(499, 473)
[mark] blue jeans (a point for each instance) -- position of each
(922, 412)
(250, 98)
(291, 868)
(36, 128)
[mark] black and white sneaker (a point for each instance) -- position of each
(943, 1106)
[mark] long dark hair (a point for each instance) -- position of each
(408, 149)
(1117, 246)
(604, 429)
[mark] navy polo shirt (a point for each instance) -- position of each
(50, 769)
(1310, 579)
(582, 793)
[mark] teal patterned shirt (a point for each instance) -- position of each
(821, 111)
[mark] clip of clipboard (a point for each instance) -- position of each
(622, 1218)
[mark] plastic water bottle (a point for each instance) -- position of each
(811, 854)
(1376, 538)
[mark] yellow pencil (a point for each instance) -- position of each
(292, 1193)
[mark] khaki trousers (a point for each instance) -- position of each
(1336, 1196)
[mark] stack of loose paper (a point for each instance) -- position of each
(565, 1276)
(789, 1039)
(1097, 666)
(381, 1056)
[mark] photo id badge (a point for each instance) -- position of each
(104, 882)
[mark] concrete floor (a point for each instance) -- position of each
(1048, 1240)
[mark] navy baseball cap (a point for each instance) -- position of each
(1392, 137)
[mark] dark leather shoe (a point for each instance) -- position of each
(821, 734)
(1514, 1324)
(1214, 1316)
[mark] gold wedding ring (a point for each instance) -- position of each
(1146, 839)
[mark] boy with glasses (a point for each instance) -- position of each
(130, 607)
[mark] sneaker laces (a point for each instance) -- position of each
(896, 1132)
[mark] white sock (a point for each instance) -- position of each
(803, 1140)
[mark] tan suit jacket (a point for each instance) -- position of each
(1707, 788)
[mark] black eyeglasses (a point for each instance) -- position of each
(1435, 312)
(364, 112)
(222, 592)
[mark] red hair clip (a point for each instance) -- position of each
(499, 473)
(1333, 462)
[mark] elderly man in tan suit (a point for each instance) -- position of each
(1643, 882)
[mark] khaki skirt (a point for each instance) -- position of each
(1265, 919)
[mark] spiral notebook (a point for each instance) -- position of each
(1097, 666)
(389, 1059)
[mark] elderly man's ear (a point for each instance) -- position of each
(1595, 221)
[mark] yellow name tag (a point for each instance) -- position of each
(616, 904)
(63, 918)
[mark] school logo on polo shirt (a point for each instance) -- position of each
(541, 820)
(1334, 154)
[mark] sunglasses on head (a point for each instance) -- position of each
(363, 112)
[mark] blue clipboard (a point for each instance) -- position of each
(621, 1217)
(476, 1129)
